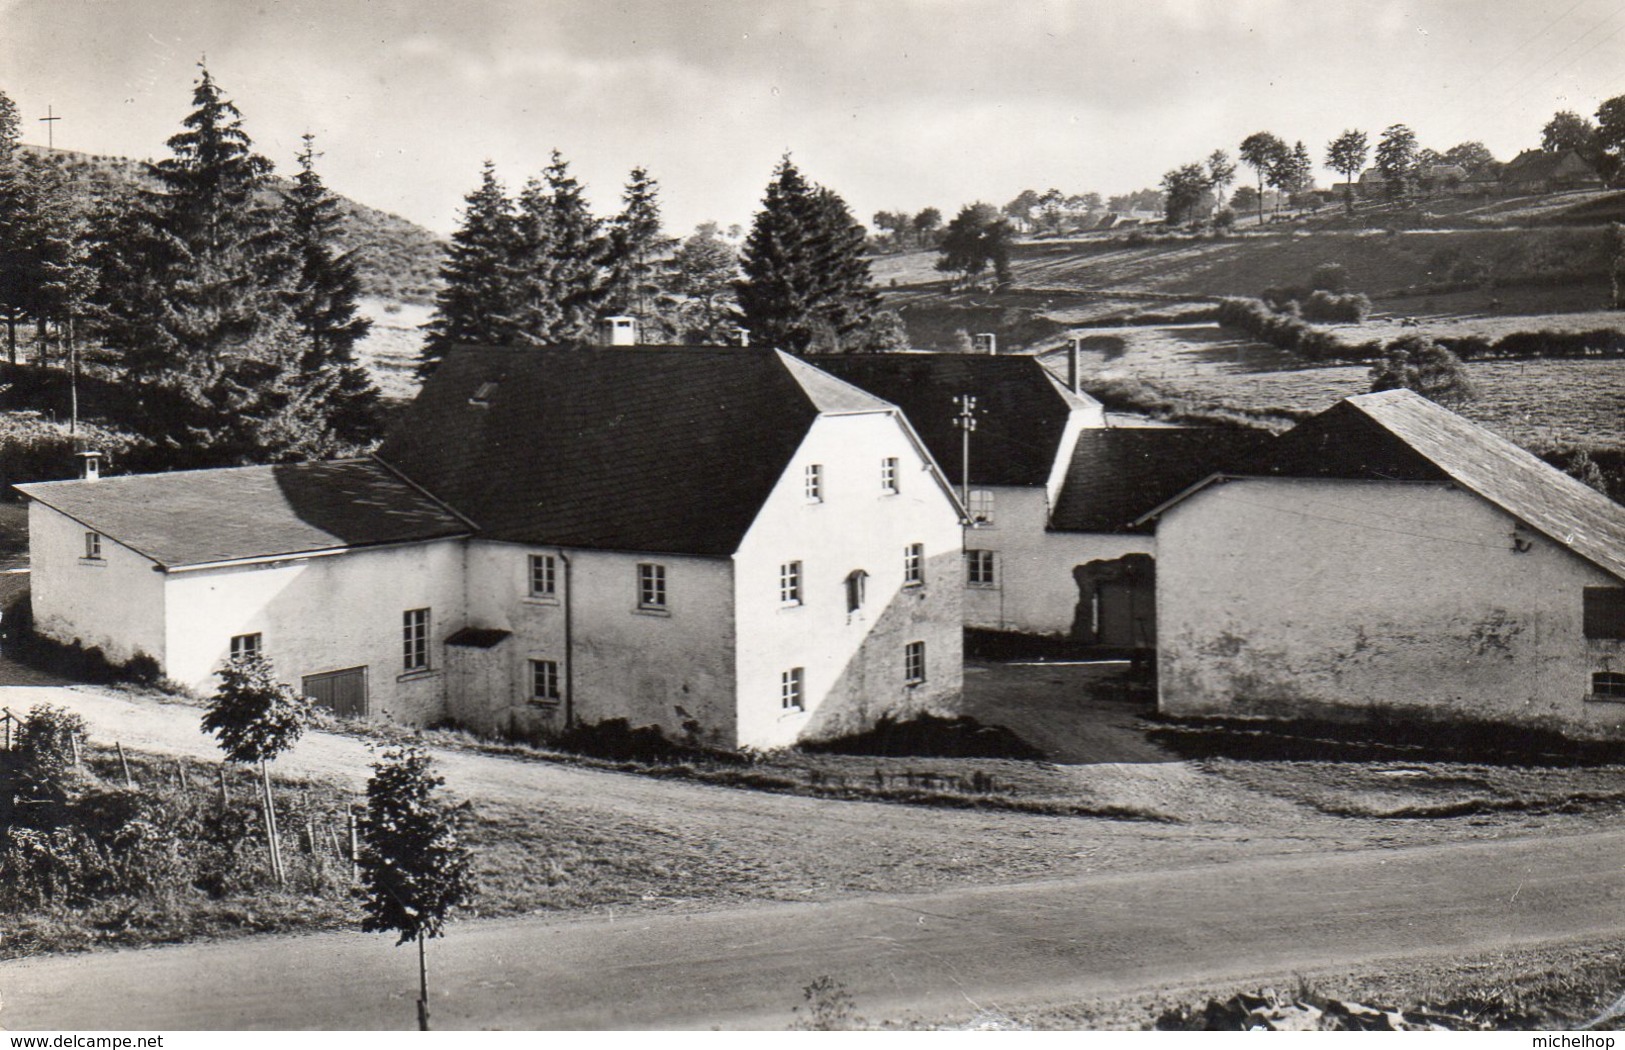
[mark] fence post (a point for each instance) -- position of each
(225, 795)
(7, 718)
(355, 852)
(129, 781)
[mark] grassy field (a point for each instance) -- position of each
(1539, 404)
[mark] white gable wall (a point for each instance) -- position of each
(853, 665)
(115, 604)
(1285, 597)
(323, 614)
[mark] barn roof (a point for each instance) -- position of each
(660, 449)
(1021, 410)
(1118, 474)
(1398, 435)
(199, 517)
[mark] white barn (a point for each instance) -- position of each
(728, 544)
(1394, 556)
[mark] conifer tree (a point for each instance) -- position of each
(806, 285)
(637, 248)
(535, 314)
(323, 287)
(475, 306)
(579, 251)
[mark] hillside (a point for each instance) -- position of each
(399, 261)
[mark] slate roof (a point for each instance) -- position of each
(1118, 474)
(658, 449)
(197, 517)
(1398, 435)
(1021, 410)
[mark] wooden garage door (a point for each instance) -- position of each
(342, 692)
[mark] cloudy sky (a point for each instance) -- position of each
(896, 104)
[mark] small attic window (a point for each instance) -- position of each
(482, 394)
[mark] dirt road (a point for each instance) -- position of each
(921, 955)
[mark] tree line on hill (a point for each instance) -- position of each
(223, 313)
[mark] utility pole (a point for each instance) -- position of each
(49, 120)
(966, 422)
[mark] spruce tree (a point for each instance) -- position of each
(806, 285)
(579, 251)
(475, 306)
(637, 251)
(535, 313)
(323, 287)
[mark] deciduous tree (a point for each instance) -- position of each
(1346, 155)
(978, 237)
(1183, 189)
(414, 865)
(1396, 158)
(1566, 130)
(1262, 152)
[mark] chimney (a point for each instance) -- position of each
(743, 335)
(618, 331)
(985, 343)
(1074, 348)
(90, 465)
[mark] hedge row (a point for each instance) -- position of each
(1291, 332)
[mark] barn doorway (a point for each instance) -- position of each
(342, 692)
(1117, 603)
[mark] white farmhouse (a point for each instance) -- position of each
(1051, 549)
(728, 544)
(1394, 556)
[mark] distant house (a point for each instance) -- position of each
(726, 543)
(1536, 171)
(1444, 178)
(1372, 183)
(1052, 492)
(1390, 555)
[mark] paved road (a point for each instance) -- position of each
(924, 955)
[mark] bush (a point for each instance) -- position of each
(1329, 306)
(930, 735)
(1420, 364)
(1329, 277)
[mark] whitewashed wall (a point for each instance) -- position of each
(1286, 597)
(115, 604)
(324, 614)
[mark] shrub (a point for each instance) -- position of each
(1329, 306)
(1420, 364)
(1329, 277)
(44, 763)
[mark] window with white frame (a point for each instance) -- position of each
(980, 570)
(245, 646)
(544, 681)
(93, 546)
(790, 583)
(981, 506)
(914, 565)
(415, 639)
(815, 483)
(544, 575)
(651, 586)
(914, 663)
(888, 475)
(856, 584)
(792, 689)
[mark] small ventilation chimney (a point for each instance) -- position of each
(985, 343)
(743, 335)
(1073, 350)
(618, 331)
(90, 465)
